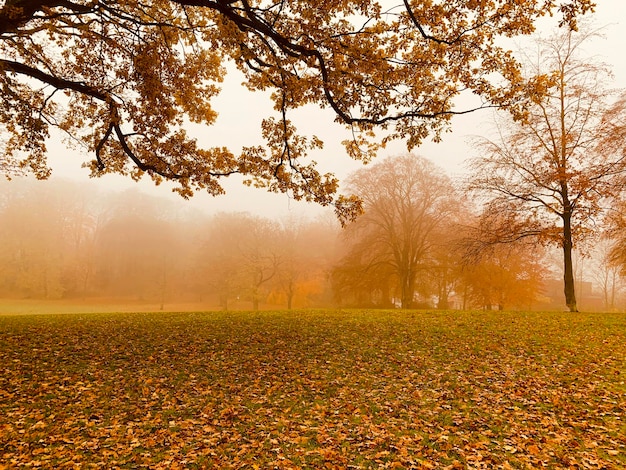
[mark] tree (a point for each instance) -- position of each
(406, 199)
(608, 270)
(240, 256)
(44, 231)
(218, 258)
(445, 260)
(63, 239)
(121, 79)
(358, 282)
(260, 258)
(614, 141)
(304, 252)
(32, 236)
(138, 249)
(504, 275)
(548, 175)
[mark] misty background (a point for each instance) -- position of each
(63, 242)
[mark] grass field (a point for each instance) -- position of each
(313, 389)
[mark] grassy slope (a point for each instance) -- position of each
(358, 389)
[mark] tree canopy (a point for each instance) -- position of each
(407, 201)
(121, 79)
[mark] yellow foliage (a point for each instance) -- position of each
(132, 72)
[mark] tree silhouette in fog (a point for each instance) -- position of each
(406, 200)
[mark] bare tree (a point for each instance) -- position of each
(406, 198)
(607, 271)
(46, 232)
(305, 250)
(445, 267)
(260, 258)
(138, 249)
(239, 257)
(547, 176)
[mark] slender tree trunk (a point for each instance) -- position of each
(386, 295)
(407, 289)
(163, 282)
(86, 278)
(442, 301)
(465, 296)
(568, 266)
(290, 293)
(613, 281)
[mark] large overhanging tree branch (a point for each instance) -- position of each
(122, 78)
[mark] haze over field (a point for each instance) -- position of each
(491, 209)
(67, 248)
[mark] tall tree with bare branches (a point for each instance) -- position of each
(549, 175)
(406, 201)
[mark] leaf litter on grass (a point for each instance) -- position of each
(313, 389)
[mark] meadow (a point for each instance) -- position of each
(313, 389)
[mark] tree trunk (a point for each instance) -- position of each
(613, 282)
(442, 301)
(465, 296)
(568, 266)
(407, 290)
(290, 293)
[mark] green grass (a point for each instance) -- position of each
(313, 389)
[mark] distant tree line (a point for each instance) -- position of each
(60, 240)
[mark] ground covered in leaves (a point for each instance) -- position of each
(314, 389)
